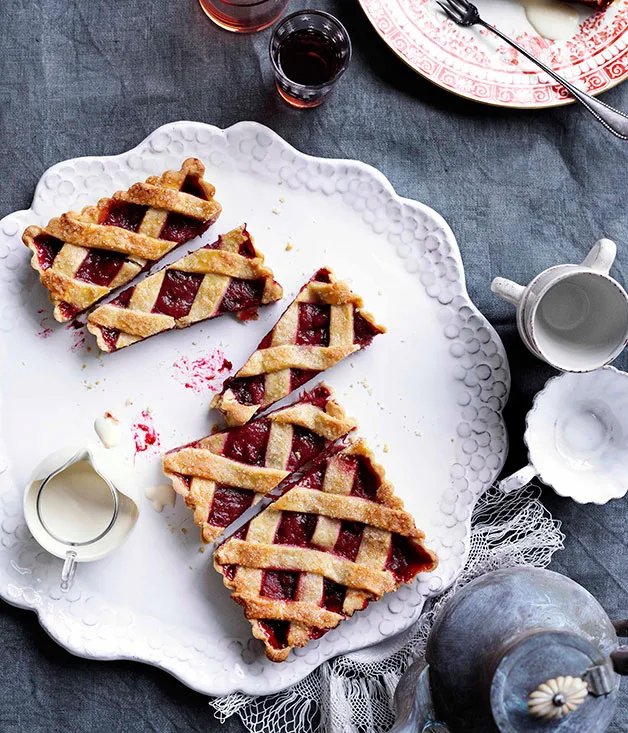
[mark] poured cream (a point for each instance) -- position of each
(107, 428)
(76, 505)
(552, 19)
(161, 496)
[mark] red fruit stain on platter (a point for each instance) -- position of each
(145, 436)
(201, 374)
(78, 337)
(79, 340)
(45, 332)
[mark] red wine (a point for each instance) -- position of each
(308, 57)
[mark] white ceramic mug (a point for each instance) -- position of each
(574, 317)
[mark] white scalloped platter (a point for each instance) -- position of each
(428, 396)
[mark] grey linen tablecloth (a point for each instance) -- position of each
(521, 190)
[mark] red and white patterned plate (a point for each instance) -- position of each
(475, 64)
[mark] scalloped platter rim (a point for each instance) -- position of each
(157, 600)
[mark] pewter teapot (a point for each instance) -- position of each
(516, 651)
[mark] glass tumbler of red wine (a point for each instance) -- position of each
(310, 50)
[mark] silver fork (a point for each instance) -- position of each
(465, 13)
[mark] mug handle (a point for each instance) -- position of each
(508, 290)
(602, 256)
(518, 480)
(68, 570)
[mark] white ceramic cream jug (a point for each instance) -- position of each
(575, 317)
(80, 504)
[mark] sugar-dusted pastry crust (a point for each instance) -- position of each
(222, 474)
(83, 256)
(228, 276)
(336, 541)
(324, 324)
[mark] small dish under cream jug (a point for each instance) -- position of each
(80, 505)
(574, 317)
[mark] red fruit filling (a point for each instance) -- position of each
(248, 314)
(110, 337)
(248, 390)
(276, 633)
(363, 331)
(305, 445)
(180, 228)
(229, 571)
(246, 248)
(100, 266)
(186, 480)
(47, 249)
(124, 298)
(123, 214)
(295, 528)
(314, 480)
(318, 396)
(248, 443)
(177, 293)
(68, 311)
(365, 483)
(241, 294)
(407, 558)
(333, 595)
(322, 276)
(192, 186)
(313, 328)
(228, 504)
(349, 539)
(280, 585)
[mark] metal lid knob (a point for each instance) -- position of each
(557, 697)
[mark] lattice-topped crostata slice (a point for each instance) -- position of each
(223, 474)
(335, 541)
(227, 276)
(324, 324)
(81, 257)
